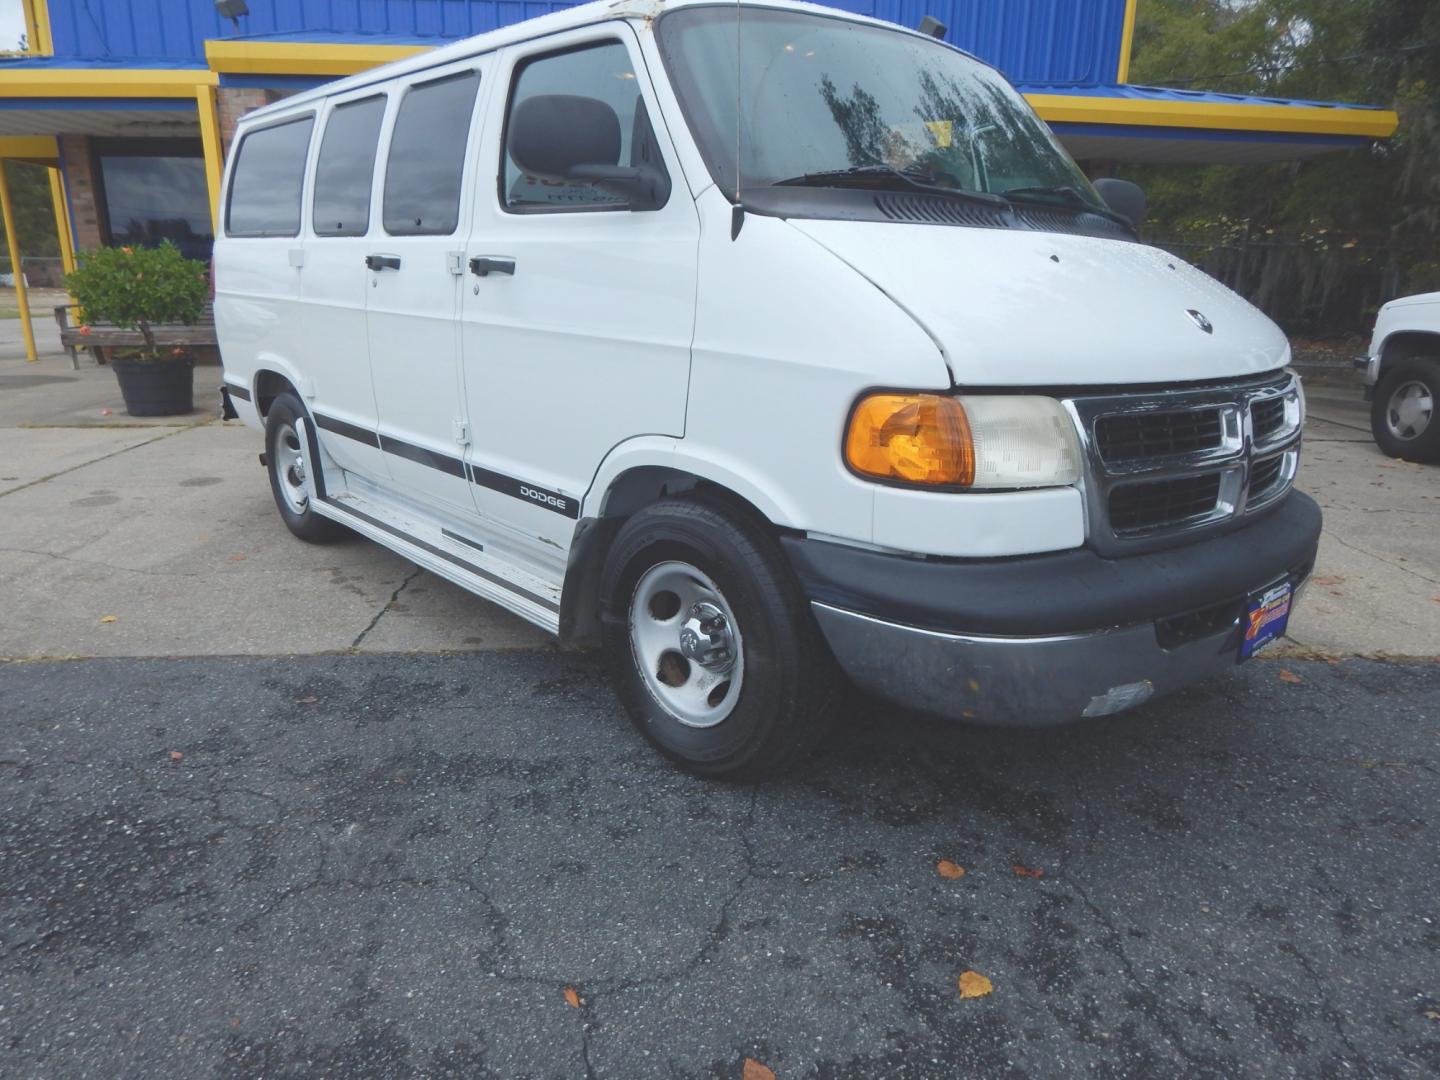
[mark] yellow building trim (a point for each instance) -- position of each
(61, 207)
(1215, 115)
(40, 149)
(301, 58)
(17, 266)
(210, 141)
(1127, 42)
(103, 82)
(37, 28)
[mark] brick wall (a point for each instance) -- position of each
(233, 102)
(80, 184)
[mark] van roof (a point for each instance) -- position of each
(584, 15)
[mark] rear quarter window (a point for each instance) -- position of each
(267, 180)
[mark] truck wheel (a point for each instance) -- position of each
(717, 656)
(1403, 415)
(288, 459)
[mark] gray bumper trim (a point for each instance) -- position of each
(1019, 681)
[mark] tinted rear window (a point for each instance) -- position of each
(265, 185)
(427, 157)
(346, 167)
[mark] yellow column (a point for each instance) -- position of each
(13, 242)
(62, 220)
(210, 141)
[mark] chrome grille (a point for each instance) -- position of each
(1267, 418)
(1140, 436)
(1149, 504)
(1166, 463)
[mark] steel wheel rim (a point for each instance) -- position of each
(1410, 409)
(686, 644)
(290, 468)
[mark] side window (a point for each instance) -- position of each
(346, 168)
(268, 176)
(427, 156)
(596, 83)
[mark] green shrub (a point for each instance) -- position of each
(137, 288)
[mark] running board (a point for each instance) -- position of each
(429, 546)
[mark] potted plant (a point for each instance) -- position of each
(139, 289)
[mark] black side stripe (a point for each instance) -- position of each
(554, 501)
(494, 579)
(421, 456)
(350, 431)
(236, 390)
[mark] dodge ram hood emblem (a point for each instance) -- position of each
(1200, 320)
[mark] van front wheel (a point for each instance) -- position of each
(717, 656)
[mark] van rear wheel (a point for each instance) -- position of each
(288, 459)
(717, 657)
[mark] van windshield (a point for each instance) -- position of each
(824, 102)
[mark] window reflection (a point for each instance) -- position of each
(150, 198)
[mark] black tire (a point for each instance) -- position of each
(1424, 444)
(787, 694)
(300, 519)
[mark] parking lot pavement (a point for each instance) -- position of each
(396, 866)
(1376, 589)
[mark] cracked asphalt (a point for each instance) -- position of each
(394, 866)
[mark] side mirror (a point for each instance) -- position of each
(570, 138)
(1125, 198)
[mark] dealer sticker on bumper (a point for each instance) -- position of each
(1266, 617)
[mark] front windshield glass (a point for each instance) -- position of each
(828, 102)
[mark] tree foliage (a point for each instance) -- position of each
(34, 212)
(1371, 213)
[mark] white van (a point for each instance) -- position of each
(767, 345)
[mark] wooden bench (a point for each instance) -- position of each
(103, 336)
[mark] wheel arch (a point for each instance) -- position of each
(1408, 345)
(626, 493)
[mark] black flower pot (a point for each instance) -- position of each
(160, 388)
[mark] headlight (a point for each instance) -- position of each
(935, 440)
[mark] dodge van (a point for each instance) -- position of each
(773, 349)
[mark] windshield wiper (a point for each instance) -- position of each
(867, 175)
(1071, 195)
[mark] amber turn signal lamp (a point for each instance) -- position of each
(917, 438)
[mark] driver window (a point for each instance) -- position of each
(604, 73)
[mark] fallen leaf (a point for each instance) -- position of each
(1025, 871)
(571, 997)
(947, 869)
(1335, 580)
(105, 412)
(176, 755)
(973, 984)
(1289, 676)
(109, 618)
(309, 699)
(237, 558)
(1432, 1014)
(753, 1070)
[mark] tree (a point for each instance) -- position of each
(34, 212)
(1371, 217)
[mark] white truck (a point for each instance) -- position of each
(1402, 377)
(769, 346)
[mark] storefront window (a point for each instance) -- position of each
(154, 190)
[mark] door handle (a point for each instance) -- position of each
(485, 265)
(382, 262)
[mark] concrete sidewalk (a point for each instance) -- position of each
(128, 538)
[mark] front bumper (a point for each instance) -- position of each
(1046, 639)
